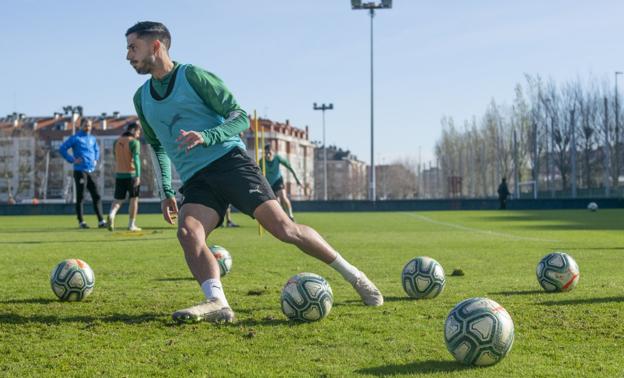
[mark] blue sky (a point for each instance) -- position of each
(432, 58)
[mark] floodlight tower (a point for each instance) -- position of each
(324, 107)
(371, 6)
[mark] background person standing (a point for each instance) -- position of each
(127, 152)
(84, 157)
(503, 193)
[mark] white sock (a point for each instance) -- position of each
(131, 223)
(212, 289)
(348, 271)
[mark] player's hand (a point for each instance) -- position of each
(136, 181)
(78, 160)
(169, 209)
(189, 139)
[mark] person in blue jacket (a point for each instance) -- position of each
(84, 157)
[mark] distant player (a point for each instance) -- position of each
(127, 152)
(503, 193)
(84, 157)
(272, 163)
(228, 222)
(190, 117)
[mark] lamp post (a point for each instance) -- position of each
(616, 174)
(371, 6)
(324, 107)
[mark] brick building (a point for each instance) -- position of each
(346, 175)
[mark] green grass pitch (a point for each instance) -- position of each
(125, 329)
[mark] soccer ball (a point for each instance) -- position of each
(479, 332)
(423, 277)
(223, 258)
(558, 271)
(72, 280)
(306, 297)
(592, 206)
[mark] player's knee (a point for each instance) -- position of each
(288, 233)
(186, 236)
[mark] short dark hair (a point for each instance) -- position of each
(268, 147)
(151, 29)
(132, 127)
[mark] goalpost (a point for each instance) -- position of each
(532, 184)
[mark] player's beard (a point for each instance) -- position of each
(146, 65)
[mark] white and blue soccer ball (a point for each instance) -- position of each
(423, 277)
(558, 271)
(72, 280)
(306, 297)
(592, 206)
(478, 332)
(223, 258)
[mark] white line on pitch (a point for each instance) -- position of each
(486, 232)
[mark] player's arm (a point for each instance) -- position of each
(135, 149)
(96, 146)
(66, 146)
(161, 163)
(286, 164)
(215, 95)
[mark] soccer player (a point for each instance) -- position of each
(228, 222)
(503, 193)
(272, 163)
(127, 152)
(84, 157)
(190, 117)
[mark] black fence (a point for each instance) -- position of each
(354, 206)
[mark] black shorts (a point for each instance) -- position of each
(278, 185)
(233, 179)
(124, 186)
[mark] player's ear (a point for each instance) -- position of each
(156, 45)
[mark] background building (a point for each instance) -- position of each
(31, 166)
(346, 175)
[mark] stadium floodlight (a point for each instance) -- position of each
(371, 6)
(324, 107)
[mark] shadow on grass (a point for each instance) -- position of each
(415, 368)
(352, 302)
(518, 292)
(112, 318)
(26, 230)
(594, 249)
(567, 219)
(30, 301)
(135, 239)
(583, 301)
(251, 322)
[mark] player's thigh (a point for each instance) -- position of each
(91, 184)
(281, 194)
(80, 180)
(273, 218)
(121, 189)
(197, 220)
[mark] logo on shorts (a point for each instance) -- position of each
(255, 190)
